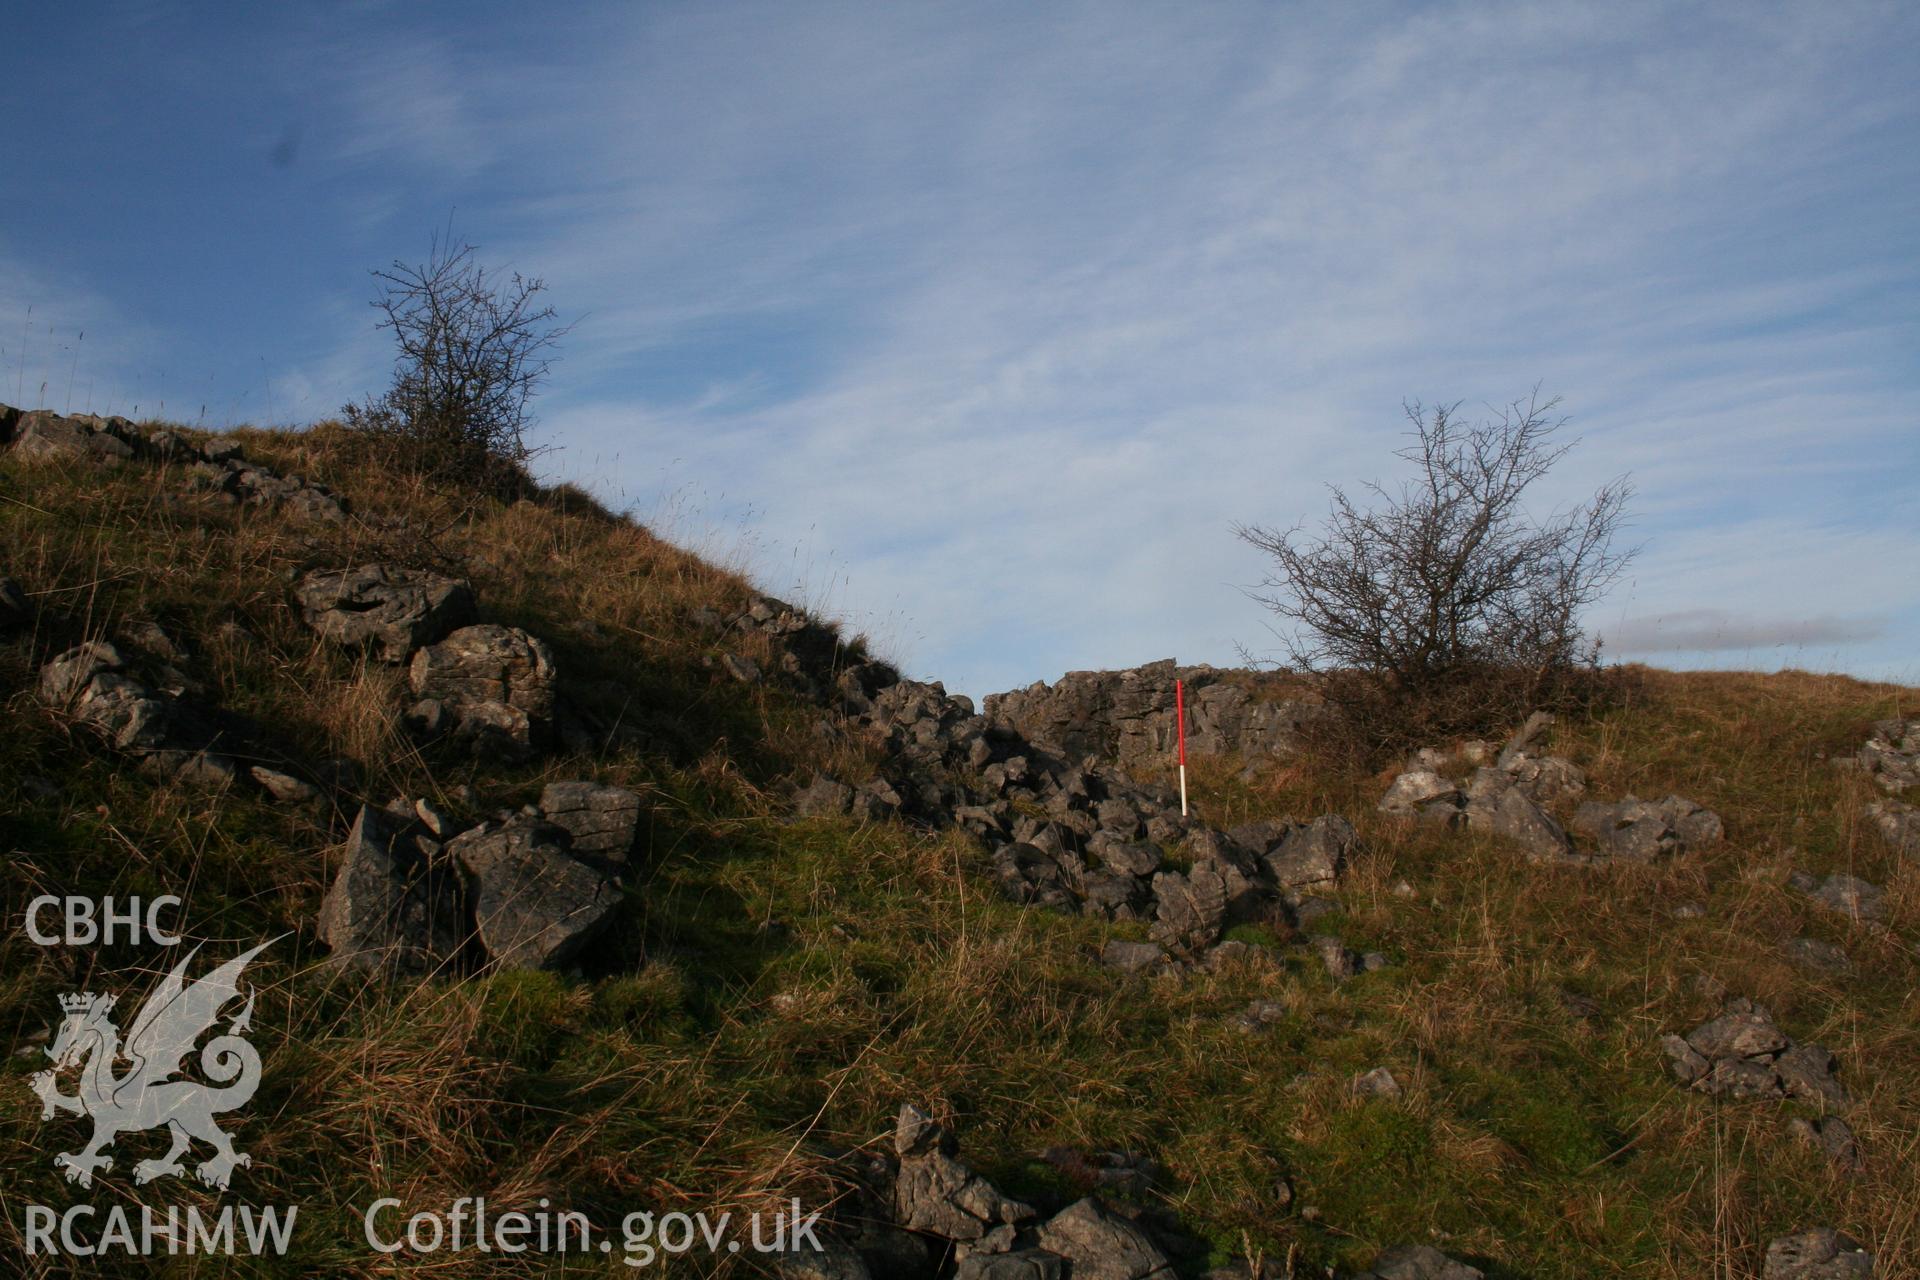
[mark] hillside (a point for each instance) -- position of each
(664, 896)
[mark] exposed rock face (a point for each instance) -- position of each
(600, 820)
(1419, 1262)
(1642, 830)
(1127, 716)
(1741, 1053)
(392, 609)
(1892, 754)
(1820, 1254)
(391, 910)
(44, 434)
(489, 686)
(533, 905)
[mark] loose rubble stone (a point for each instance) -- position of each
(1820, 1254)
(1816, 954)
(1190, 908)
(1741, 1053)
(389, 911)
(533, 905)
(391, 609)
(1415, 788)
(1832, 1137)
(1133, 957)
(1099, 1244)
(1314, 854)
(935, 1192)
(600, 820)
(1849, 895)
(1891, 755)
(1419, 1262)
(1520, 820)
(1639, 830)
(491, 686)
(1377, 1083)
(43, 434)
(283, 787)
(823, 796)
(1899, 825)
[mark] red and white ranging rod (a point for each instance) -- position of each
(1180, 723)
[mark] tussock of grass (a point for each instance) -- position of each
(774, 989)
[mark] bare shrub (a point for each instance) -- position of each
(473, 349)
(1446, 606)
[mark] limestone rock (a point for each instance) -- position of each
(1189, 908)
(389, 911)
(601, 820)
(1314, 854)
(1520, 820)
(1419, 1262)
(1899, 825)
(533, 905)
(1819, 1254)
(392, 609)
(1099, 1244)
(490, 686)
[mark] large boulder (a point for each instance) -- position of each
(534, 906)
(389, 608)
(1520, 820)
(489, 686)
(390, 910)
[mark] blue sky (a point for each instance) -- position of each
(979, 325)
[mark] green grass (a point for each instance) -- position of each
(774, 989)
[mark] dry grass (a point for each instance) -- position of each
(774, 989)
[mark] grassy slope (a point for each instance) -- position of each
(777, 988)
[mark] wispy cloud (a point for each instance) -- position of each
(1718, 631)
(993, 319)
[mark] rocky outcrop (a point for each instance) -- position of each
(1820, 1254)
(1128, 716)
(390, 609)
(1741, 1053)
(220, 469)
(490, 688)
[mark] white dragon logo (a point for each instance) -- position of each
(143, 1097)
